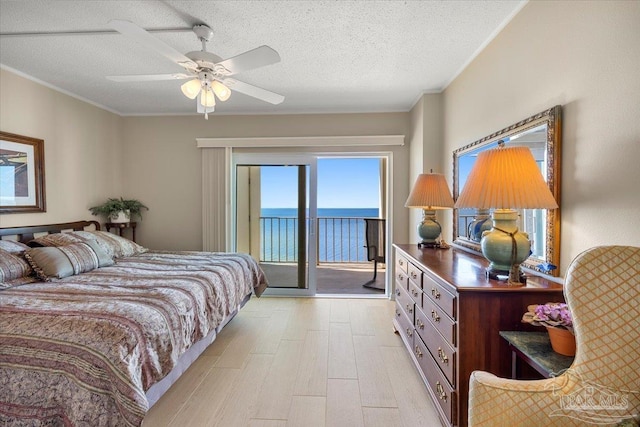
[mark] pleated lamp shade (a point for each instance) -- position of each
(506, 178)
(430, 191)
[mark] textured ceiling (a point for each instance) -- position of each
(337, 56)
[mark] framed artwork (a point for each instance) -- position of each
(21, 174)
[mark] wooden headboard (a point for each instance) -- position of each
(25, 234)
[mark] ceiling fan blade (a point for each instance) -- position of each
(255, 58)
(150, 77)
(141, 36)
(254, 91)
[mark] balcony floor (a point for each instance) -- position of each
(332, 278)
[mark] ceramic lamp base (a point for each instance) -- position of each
(481, 223)
(429, 229)
(505, 246)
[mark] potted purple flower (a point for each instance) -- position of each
(556, 317)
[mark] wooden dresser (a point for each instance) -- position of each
(449, 317)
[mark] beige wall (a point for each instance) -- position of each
(83, 148)
(585, 56)
(416, 162)
(426, 151)
(163, 166)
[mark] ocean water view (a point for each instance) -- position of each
(341, 234)
(323, 212)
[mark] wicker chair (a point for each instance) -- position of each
(602, 386)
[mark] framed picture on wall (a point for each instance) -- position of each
(21, 174)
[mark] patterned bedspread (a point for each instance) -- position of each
(83, 350)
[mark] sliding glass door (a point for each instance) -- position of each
(274, 215)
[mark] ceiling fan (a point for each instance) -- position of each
(208, 73)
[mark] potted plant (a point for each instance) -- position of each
(119, 210)
(556, 317)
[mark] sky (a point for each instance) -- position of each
(342, 183)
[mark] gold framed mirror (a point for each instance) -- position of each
(542, 133)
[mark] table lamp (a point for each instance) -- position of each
(430, 192)
(504, 179)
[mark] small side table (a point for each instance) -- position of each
(534, 348)
(119, 226)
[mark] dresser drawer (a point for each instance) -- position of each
(415, 293)
(439, 296)
(442, 322)
(402, 280)
(443, 354)
(406, 326)
(415, 275)
(402, 264)
(406, 303)
(438, 385)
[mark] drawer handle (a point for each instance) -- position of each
(409, 332)
(400, 277)
(435, 316)
(401, 262)
(435, 293)
(415, 294)
(442, 395)
(414, 275)
(409, 308)
(420, 324)
(418, 352)
(443, 356)
(397, 292)
(398, 313)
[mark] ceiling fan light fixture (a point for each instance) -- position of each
(207, 98)
(203, 69)
(221, 90)
(191, 89)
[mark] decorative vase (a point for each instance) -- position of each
(121, 217)
(562, 341)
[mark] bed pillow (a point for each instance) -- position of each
(54, 239)
(12, 267)
(12, 246)
(62, 261)
(113, 244)
(104, 259)
(64, 239)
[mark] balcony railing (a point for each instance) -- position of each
(339, 239)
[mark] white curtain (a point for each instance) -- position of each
(215, 198)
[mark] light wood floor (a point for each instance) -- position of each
(301, 362)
